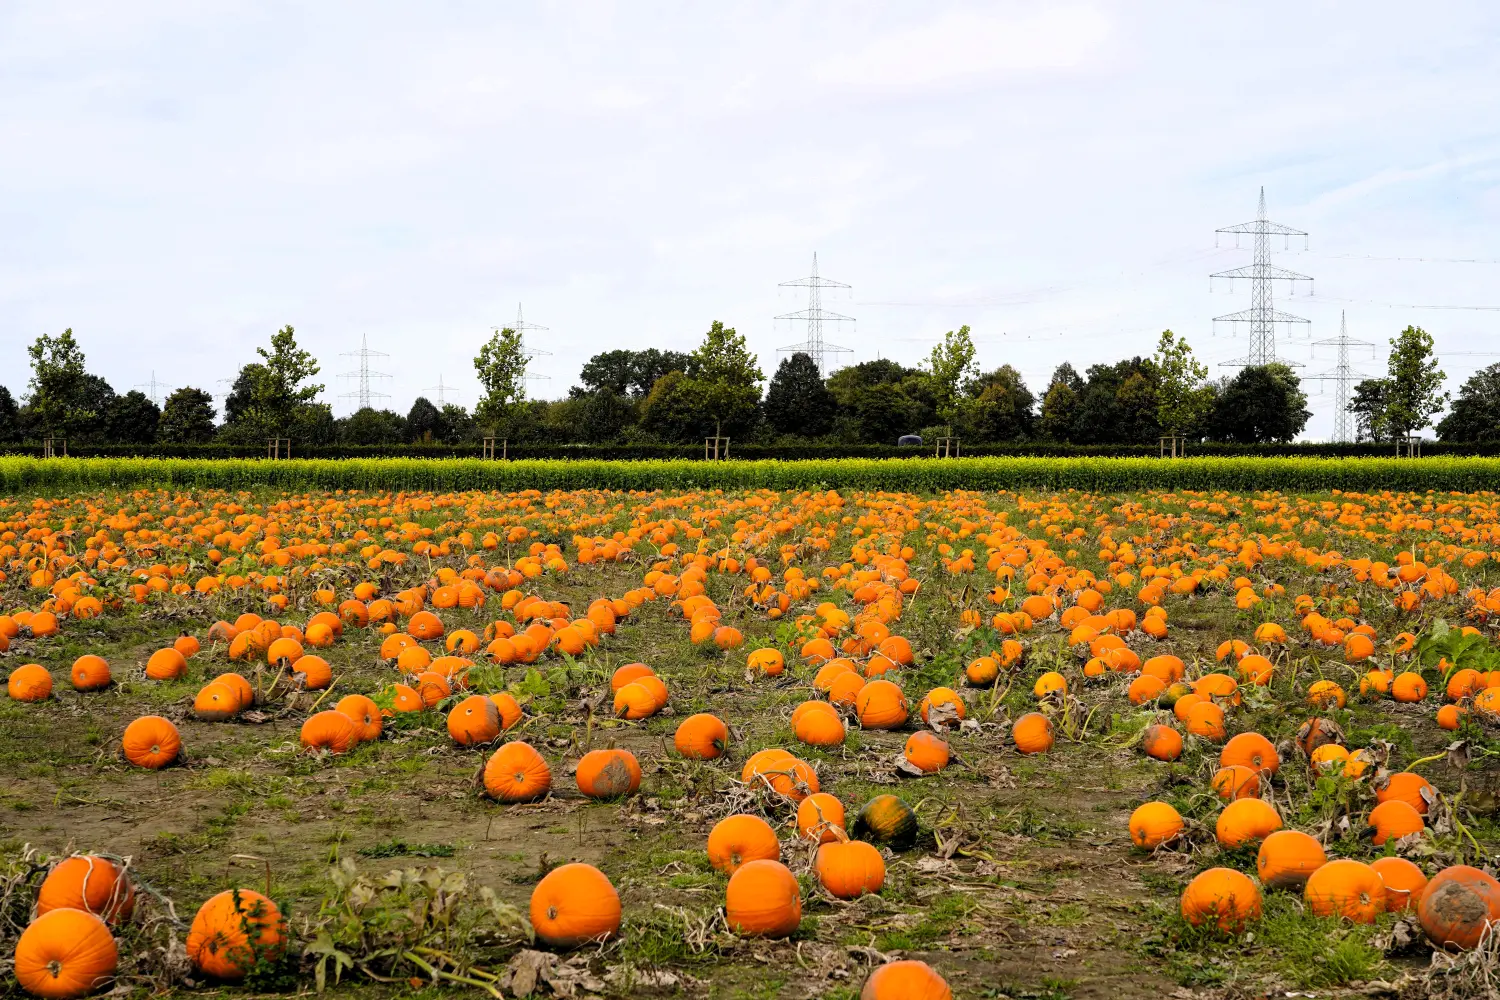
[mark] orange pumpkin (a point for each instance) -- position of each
(1404, 883)
(90, 673)
(701, 737)
(29, 682)
(927, 751)
(151, 742)
(1246, 821)
(574, 905)
(1251, 750)
(1162, 742)
(881, 704)
(608, 774)
(739, 839)
(331, 731)
(1405, 786)
(216, 702)
(1287, 858)
(1348, 889)
(1236, 782)
(1223, 897)
(1154, 824)
(849, 869)
(908, 979)
(65, 953)
(166, 665)
(1458, 905)
(820, 817)
(517, 773)
(365, 715)
(1032, 733)
(86, 882)
(763, 900)
(233, 932)
(474, 721)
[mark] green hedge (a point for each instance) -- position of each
(1098, 474)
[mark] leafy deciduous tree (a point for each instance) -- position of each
(501, 367)
(1412, 382)
(797, 401)
(1261, 403)
(187, 417)
(1476, 410)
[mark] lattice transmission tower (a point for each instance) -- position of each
(528, 351)
(362, 394)
(1342, 375)
(152, 387)
(442, 391)
(815, 316)
(1262, 316)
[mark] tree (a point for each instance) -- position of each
(287, 367)
(950, 364)
(1060, 403)
(675, 411)
(187, 417)
(1476, 411)
(652, 364)
(1117, 405)
(1412, 382)
(424, 422)
(59, 398)
(604, 415)
(132, 419)
(10, 424)
(797, 401)
(273, 398)
(368, 426)
(878, 401)
(1368, 407)
(458, 424)
(1183, 396)
(501, 367)
(997, 406)
(611, 370)
(729, 378)
(313, 423)
(1261, 403)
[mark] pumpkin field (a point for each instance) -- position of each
(702, 741)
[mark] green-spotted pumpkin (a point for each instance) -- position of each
(886, 819)
(1169, 697)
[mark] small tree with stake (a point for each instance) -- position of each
(501, 367)
(1412, 381)
(1183, 395)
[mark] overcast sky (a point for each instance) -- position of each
(180, 179)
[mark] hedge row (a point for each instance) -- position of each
(1095, 474)
(617, 452)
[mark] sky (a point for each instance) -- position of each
(180, 179)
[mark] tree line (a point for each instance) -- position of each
(654, 396)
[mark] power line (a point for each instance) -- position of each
(1262, 315)
(362, 394)
(815, 316)
(153, 385)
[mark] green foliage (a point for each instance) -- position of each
(728, 378)
(1413, 379)
(631, 373)
(996, 406)
(133, 418)
(60, 395)
(10, 425)
(1476, 410)
(1260, 403)
(501, 368)
(797, 401)
(187, 417)
(950, 364)
(368, 425)
(1183, 396)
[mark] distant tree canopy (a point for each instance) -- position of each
(667, 396)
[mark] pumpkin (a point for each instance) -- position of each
(849, 869)
(908, 979)
(1162, 742)
(432, 687)
(90, 673)
(365, 715)
(1392, 820)
(943, 696)
(1236, 782)
(331, 731)
(406, 699)
(473, 721)
(881, 704)
(1329, 757)
(284, 652)
(1404, 883)
(235, 931)
(1051, 682)
(608, 774)
(982, 672)
(517, 773)
(820, 817)
(508, 708)
(702, 737)
(817, 724)
(65, 953)
(927, 751)
(216, 702)
(887, 820)
(1221, 896)
(627, 674)
(1315, 732)
(739, 839)
(1206, 720)
(1348, 889)
(166, 665)
(574, 905)
(425, 625)
(1325, 694)
(315, 672)
(1286, 859)
(1405, 786)
(845, 688)
(29, 682)
(781, 772)
(151, 742)
(1154, 824)
(1246, 821)
(635, 701)
(765, 661)
(1145, 688)
(1408, 687)
(1251, 750)
(1457, 905)
(86, 882)
(763, 900)
(1032, 733)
